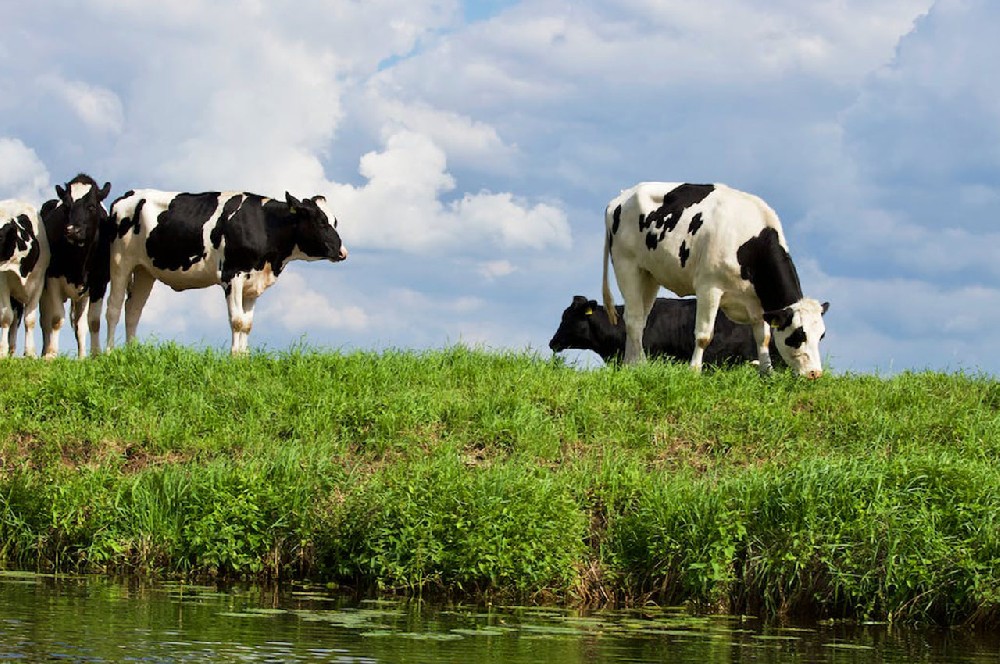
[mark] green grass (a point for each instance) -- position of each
(506, 474)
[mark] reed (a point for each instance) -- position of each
(470, 473)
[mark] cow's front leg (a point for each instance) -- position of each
(248, 304)
(762, 335)
(237, 317)
(6, 319)
(94, 323)
(52, 312)
(704, 323)
(79, 309)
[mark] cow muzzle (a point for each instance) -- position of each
(813, 374)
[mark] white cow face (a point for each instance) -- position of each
(797, 331)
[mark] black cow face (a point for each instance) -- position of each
(84, 211)
(574, 329)
(315, 236)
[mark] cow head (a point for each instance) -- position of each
(316, 237)
(83, 202)
(797, 331)
(574, 329)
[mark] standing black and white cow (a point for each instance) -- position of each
(669, 333)
(78, 270)
(24, 257)
(722, 245)
(237, 240)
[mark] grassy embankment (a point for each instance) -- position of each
(507, 474)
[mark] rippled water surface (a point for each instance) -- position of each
(96, 620)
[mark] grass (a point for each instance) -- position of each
(506, 474)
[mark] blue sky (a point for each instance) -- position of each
(469, 150)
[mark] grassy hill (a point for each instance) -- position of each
(470, 473)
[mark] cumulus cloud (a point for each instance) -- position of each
(401, 206)
(296, 306)
(22, 173)
(96, 107)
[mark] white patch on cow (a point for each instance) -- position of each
(259, 281)
(78, 190)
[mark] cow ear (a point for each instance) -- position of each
(103, 192)
(591, 307)
(61, 193)
(825, 307)
(779, 319)
(293, 202)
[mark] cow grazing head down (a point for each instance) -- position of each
(575, 328)
(797, 331)
(316, 236)
(82, 199)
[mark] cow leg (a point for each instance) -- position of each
(79, 315)
(638, 289)
(52, 311)
(142, 286)
(704, 323)
(6, 318)
(120, 278)
(248, 304)
(237, 318)
(762, 335)
(30, 317)
(94, 323)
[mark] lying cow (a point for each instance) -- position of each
(24, 257)
(669, 333)
(722, 245)
(237, 240)
(73, 222)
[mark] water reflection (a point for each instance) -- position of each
(95, 620)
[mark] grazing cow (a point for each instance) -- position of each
(73, 222)
(669, 333)
(24, 257)
(238, 240)
(722, 245)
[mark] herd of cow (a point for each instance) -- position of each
(724, 246)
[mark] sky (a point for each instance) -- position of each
(468, 150)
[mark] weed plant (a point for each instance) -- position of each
(467, 472)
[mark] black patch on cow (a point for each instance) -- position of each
(177, 241)
(796, 338)
(766, 265)
(616, 220)
(696, 222)
(228, 210)
(665, 218)
(685, 253)
(18, 235)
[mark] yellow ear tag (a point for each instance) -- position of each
(589, 312)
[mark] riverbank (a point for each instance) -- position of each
(468, 473)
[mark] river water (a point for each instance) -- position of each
(86, 619)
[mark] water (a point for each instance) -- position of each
(82, 619)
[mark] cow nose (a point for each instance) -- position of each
(343, 252)
(814, 374)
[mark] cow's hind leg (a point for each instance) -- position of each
(704, 323)
(117, 288)
(6, 319)
(142, 286)
(638, 289)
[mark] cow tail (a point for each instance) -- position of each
(609, 299)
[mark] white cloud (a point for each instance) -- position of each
(22, 173)
(294, 305)
(98, 108)
(495, 269)
(400, 207)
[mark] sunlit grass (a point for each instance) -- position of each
(462, 471)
